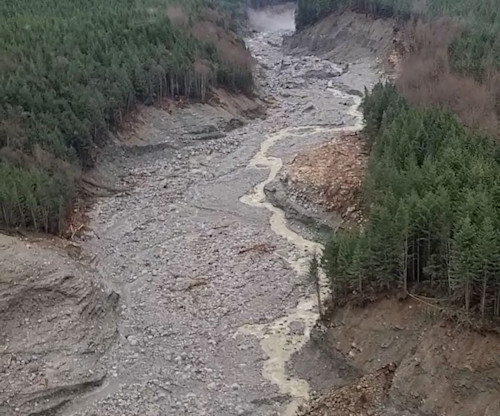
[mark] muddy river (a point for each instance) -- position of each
(215, 297)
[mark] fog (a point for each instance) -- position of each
(273, 18)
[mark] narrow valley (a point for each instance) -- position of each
(187, 290)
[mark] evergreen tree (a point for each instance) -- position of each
(72, 69)
(432, 211)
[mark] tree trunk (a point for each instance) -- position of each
(405, 266)
(467, 294)
(497, 302)
(483, 297)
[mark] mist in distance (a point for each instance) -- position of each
(273, 18)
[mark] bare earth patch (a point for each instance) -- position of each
(363, 397)
(331, 175)
(58, 319)
(414, 361)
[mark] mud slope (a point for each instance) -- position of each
(346, 37)
(214, 295)
(57, 319)
(438, 368)
(319, 190)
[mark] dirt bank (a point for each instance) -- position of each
(58, 319)
(347, 37)
(438, 367)
(320, 187)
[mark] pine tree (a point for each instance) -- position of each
(314, 274)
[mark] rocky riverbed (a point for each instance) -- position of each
(214, 298)
(210, 288)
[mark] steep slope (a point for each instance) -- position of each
(348, 36)
(415, 363)
(58, 319)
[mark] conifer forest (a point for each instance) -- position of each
(431, 195)
(71, 70)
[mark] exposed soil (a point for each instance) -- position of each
(416, 363)
(321, 186)
(333, 174)
(363, 397)
(58, 319)
(347, 37)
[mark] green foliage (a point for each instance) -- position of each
(476, 49)
(472, 52)
(382, 104)
(433, 210)
(32, 198)
(310, 11)
(69, 71)
(263, 3)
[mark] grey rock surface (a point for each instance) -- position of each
(57, 320)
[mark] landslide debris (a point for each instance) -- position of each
(365, 397)
(331, 175)
(58, 319)
(414, 362)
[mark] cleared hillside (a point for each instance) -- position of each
(473, 51)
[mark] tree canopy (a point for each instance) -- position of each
(70, 70)
(432, 206)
